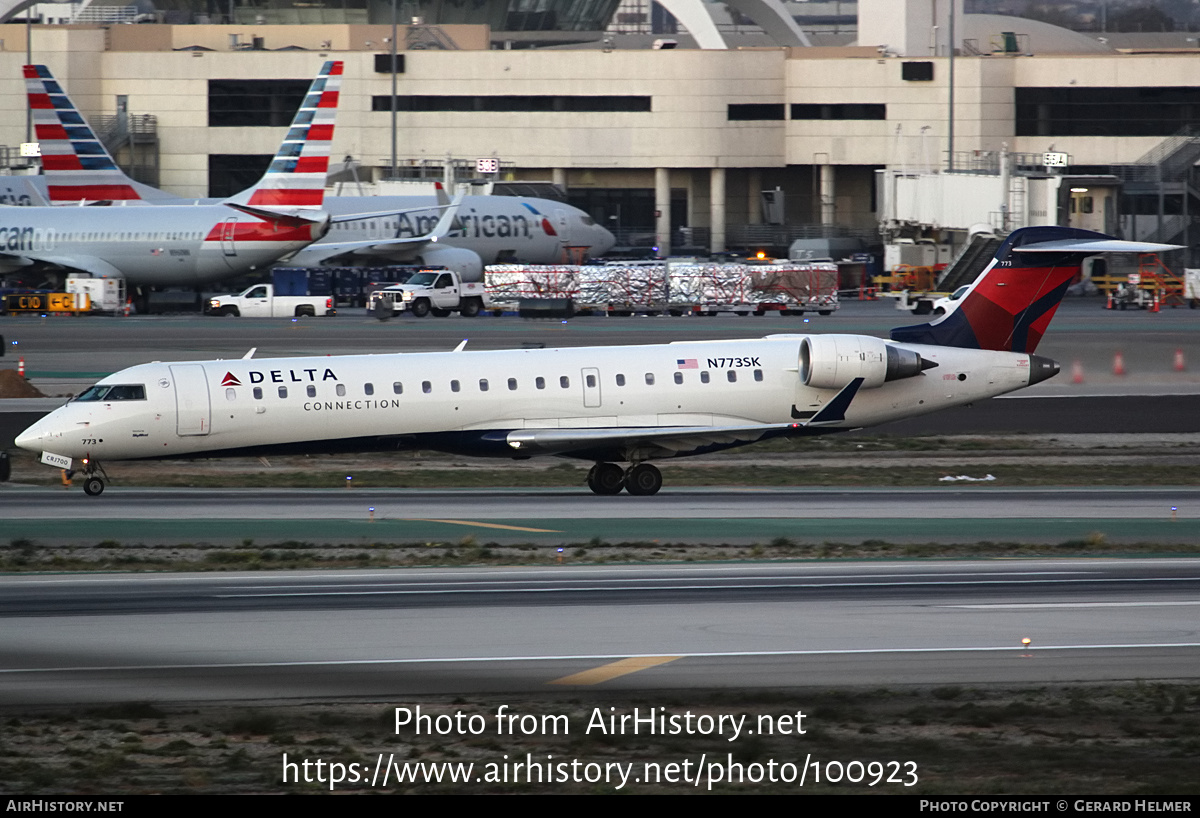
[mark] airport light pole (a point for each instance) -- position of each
(394, 88)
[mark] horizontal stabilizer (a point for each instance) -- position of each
(285, 217)
(1099, 246)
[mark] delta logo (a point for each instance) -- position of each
(230, 380)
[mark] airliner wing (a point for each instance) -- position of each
(87, 264)
(647, 441)
(668, 441)
(395, 248)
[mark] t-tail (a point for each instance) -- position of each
(77, 166)
(295, 180)
(1010, 305)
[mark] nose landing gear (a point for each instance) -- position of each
(640, 480)
(93, 483)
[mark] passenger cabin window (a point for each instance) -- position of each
(283, 391)
(398, 388)
(591, 381)
(453, 386)
(564, 382)
(650, 379)
(540, 383)
(311, 390)
(426, 387)
(732, 375)
(678, 377)
(368, 389)
(512, 384)
(620, 380)
(231, 394)
(704, 376)
(258, 393)
(341, 390)
(483, 385)
(758, 374)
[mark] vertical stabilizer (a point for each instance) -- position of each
(296, 177)
(78, 168)
(1010, 305)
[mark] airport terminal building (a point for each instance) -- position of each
(702, 146)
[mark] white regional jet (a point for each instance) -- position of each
(180, 246)
(617, 404)
(397, 229)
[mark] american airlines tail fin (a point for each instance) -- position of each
(77, 166)
(296, 177)
(1010, 305)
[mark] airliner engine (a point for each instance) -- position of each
(833, 361)
(466, 263)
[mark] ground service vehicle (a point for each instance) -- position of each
(260, 301)
(440, 293)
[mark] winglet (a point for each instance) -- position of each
(835, 410)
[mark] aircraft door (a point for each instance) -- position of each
(228, 233)
(591, 387)
(562, 224)
(192, 409)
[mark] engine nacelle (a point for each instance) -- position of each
(833, 361)
(466, 263)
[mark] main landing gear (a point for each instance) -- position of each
(641, 479)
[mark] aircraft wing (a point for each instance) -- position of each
(647, 441)
(87, 264)
(668, 441)
(399, 249)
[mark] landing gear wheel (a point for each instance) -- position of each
(606, 479)
(420, 308)
(643, 480)
(93, 487)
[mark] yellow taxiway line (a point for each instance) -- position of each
(614, 670)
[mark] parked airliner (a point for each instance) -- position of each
(181, 246)
(610, 405)
(489, 229)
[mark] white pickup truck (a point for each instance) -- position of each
(441, 292)
(260, 301)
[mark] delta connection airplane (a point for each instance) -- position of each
(180, 246)
(610, 405)
(366, 229)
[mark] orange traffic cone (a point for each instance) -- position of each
(1154, 307)
(1109, 305)
(1077, 372)
(1180, 366)
(128, 304)
(21, 367)
(1118, 364)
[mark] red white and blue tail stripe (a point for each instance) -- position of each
(1010, 305)
(296, 177)
(78, 168)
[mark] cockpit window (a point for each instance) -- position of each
(587, 220)
(111, 392)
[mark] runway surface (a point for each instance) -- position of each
(963, 514)
(391, 633)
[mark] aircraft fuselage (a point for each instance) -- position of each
(474, 402)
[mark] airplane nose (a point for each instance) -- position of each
(605, 241)
(30, 439)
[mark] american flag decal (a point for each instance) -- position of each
(686, 363)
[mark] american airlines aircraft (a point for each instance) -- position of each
(610, 405)
(489, 229)
(182, 246)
